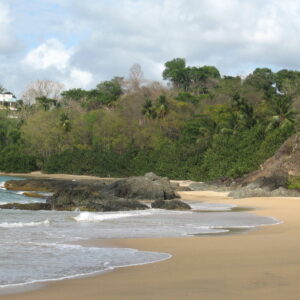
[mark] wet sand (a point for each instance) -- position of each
(262, 264)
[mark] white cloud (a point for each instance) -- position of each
(229, 33)
(50, 60)
(52, 53)
(97, 40)
(78, 78)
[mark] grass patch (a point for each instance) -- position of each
(294, 182)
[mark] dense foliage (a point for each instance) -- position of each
(203, 126)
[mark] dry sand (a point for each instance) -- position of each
(38, 174)
(262, 264)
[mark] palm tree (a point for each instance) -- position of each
(64, 122)
(244, 111)
(281, 112)
(148, 110)
(162, 106)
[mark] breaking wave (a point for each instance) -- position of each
(21, 224)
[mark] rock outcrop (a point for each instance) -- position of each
(98, 196)
(285, 162)
(91, 198)
(273, 186)
(148, 187)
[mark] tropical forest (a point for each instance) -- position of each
(196, 124)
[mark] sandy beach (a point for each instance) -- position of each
(262, 264)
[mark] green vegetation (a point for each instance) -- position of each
(203, 126)
(294, 182)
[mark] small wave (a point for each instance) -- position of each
(2, 185)
(212, 206)
(96, 217)
(61, 246)
(106, 265)
(21, 224)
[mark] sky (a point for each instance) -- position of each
(81, 43)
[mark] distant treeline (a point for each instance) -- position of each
(202, 126)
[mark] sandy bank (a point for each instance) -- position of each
(39, 174)
(263, 264)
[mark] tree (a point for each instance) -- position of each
(105, 94)
(74, 95)
(162, 106)
(149, 110)
(244, 111)
(202, 79)
(262, 79)
(175, 72)
(2, 89)
(46, 103)
(135, 78)
(281, 112)
(44, 135)
(287, 81)
(65, 122)
(42, 88)
(110, 90)
(197, 80)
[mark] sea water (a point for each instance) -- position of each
(37, 246)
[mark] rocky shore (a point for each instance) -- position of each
(133, 193)
(137, 193)
(275, 185)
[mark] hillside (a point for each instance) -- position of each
(285, 162)
(202, 126)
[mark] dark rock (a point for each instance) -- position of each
(116, 205)
(73, 196)
(269, 183)
(91, 198)
(97, 196)
(150, 187)
(27, 206)
(170, 205)
(272, 186)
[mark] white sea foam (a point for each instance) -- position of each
(204, 206)
(99, 217)
(2, 185)
(106, 265)
(21, 224)
(62, 246)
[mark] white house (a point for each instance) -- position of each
(8, 100)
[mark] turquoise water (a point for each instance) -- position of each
(40, 246)
(14, 197)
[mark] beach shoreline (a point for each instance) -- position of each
(263, 263)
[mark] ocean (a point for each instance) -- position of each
(40, 246)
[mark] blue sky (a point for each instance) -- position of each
(80, 43)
